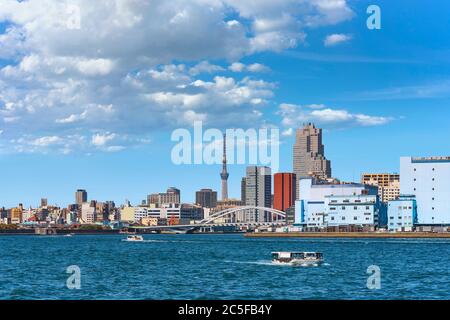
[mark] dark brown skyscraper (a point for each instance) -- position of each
(309, 154)
(206, 198)
(80, 197)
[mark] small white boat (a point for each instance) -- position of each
(297, 258)
(69, 235)
(134, 238)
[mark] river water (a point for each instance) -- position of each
(220, 267)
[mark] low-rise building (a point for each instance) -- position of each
(149, 221)
(127, 214)
(325, 204)
(15, 216)
(402, 213)
(388, 184)
(359, 210)
(174, 212)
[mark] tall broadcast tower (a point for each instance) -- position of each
(224, 175)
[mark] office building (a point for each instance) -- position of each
(127, 214)
(172, 214)
(44, 202)
(309, 154)
(80, 197)
(388, 184)
(172, 195)
(88, 213)
(258, 190)
(243, 186)
(428, 179)
(284, 191)
(316, 198)
(206, 198)
(402, 213)
(15, 215)
(354, 210)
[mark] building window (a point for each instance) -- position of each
(355, 208)
(343, 208)
(355, 218)
(343, 218)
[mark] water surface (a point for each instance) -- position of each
(220, 267)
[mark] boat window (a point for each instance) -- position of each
(298, 255)
(275, 256)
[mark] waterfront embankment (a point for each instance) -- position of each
(382, 235)
(32, 232)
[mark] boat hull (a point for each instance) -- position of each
(299, 262)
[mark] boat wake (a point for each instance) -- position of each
(261, 262)
(146, 241)
(270, 263)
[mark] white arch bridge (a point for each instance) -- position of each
(245, 216)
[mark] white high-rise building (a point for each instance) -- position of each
(429, 180)
(88, 213)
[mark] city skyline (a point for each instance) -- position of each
(72, 119)
(81, 195)
(174, 195)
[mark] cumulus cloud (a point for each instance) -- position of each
(205, 67)
(335, 39)
(132, 66)
(254, 67)
(294, 115)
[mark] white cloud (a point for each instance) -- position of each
(288, 132)
(99, 140)
(95, 67)
(72, 118)
(137, 66)
(294, 115)
(205, 67)
(335, 39)
(46, 141)
(237, 67)
(254, 67)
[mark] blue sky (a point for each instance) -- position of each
(94, 107)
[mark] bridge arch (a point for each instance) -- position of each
(247, 214)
